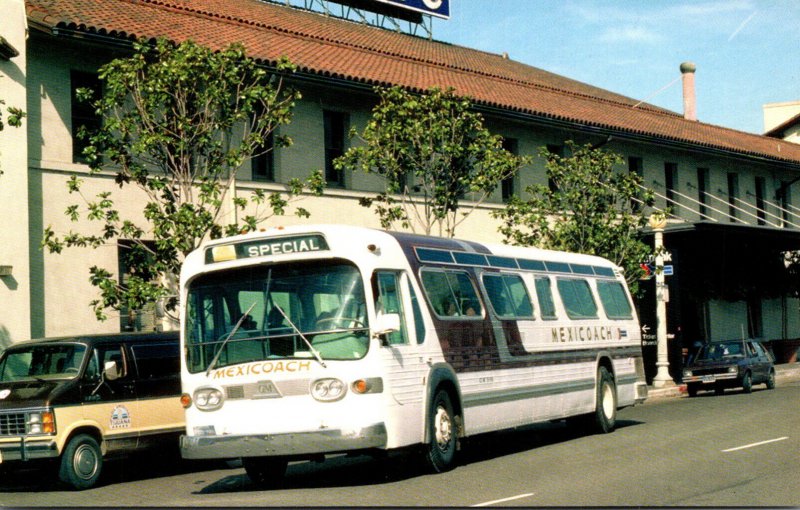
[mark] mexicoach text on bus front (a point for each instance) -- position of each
(266, 247)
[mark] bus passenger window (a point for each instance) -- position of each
(615, 302)
(451, 293)
(545, 294)
(508, 295)
(577, 298)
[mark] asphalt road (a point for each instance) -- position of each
(730, 450)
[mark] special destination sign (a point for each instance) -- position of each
(266, 247)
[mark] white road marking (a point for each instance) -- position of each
(488, 503)
(754, 444)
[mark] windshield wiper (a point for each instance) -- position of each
(225, 342)
(299, 333)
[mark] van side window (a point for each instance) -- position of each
(545, 294)
(156, 360)
(615, 301)
(113, 353)
(508, 295)
(577, 298)
(451, 293)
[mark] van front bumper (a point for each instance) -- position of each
(22, 449)
(287, 444)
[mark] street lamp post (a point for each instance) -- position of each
(662, 378)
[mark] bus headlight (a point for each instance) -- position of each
(328, 390)
(208, 399)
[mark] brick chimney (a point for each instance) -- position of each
(689, 97)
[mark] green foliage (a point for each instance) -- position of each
(177, 121)
(593, 208)
(432, 151)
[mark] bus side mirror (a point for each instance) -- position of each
(110, 370)
(387, 323)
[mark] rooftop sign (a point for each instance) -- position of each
(438, 8)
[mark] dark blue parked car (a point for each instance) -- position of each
(731, 364)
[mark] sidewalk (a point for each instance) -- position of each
(784, 372)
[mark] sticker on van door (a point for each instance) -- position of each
(120, 418)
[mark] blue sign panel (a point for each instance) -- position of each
(438, 8)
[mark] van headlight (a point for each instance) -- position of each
(208, 399)
(687, 373)
(328, 390)
(40, 422)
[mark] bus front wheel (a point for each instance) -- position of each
(441, 449)
(265, 471)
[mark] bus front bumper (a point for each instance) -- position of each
(288, 444)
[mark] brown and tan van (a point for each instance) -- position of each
(74, 401)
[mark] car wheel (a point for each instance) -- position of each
(440, 452)
(747, 382)
(605, 415)
(692, 390)
(266, 472)
(81, 462)
(771, 380)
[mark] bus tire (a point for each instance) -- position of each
(266, 472)
(81, 462)
(605, 415)
(440, 452)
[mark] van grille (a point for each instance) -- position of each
(12, 424)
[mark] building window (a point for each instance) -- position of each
(733, 194)
(509, 184)
(761, 205)
(335, 125)
(636, 166)
(702, 191)
(558, 150)
(83, 114)
(263, 165)
(671, 183)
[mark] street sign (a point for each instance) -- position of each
(668, 270)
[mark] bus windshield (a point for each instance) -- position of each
(282, 311)
(41, 362)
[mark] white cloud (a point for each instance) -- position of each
(633, 34)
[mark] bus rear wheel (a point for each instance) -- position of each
(605, 415)
(266, 472)
(440, 452)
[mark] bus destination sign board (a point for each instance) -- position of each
(266, 247)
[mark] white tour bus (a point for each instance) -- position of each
(305, 341)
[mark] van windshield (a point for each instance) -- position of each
(279, 310)
(42, 362)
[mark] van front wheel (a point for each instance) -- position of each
(81, 462)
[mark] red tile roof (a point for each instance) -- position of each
(338, 48)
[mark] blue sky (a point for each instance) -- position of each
(747, 52)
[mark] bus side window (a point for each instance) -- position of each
(545, 293)
(577, 298)
(615, 302)
(389, 301)
(508, 295)
(451, 293)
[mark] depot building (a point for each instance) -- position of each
(735, 207)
